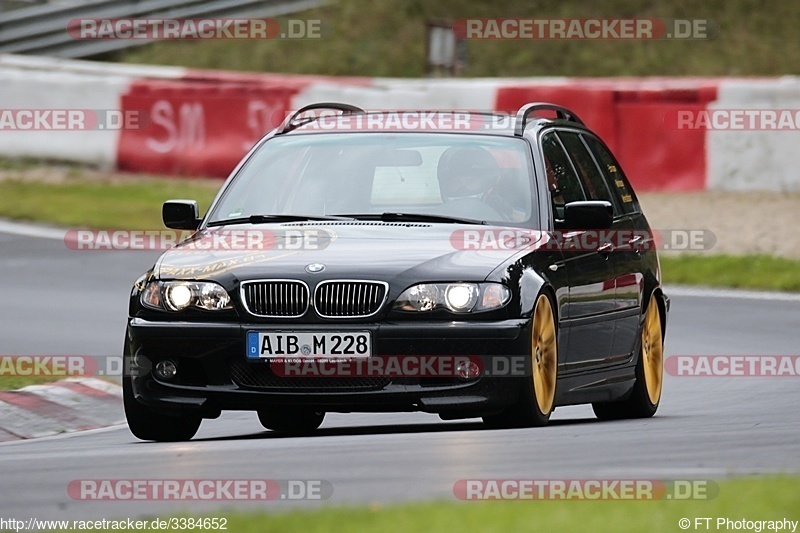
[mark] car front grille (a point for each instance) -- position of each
(260, 376)
(349, 299)
(275, 298)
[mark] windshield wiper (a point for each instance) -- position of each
(413, 217)
(263, 219)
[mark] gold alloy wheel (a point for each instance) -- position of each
(652, 351)
(543, 350)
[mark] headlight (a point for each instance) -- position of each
(455, 297)
(461, 297)
(179, 295)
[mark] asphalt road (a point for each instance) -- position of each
(57, 301)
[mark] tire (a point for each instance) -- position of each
(291, 420)
(146, 424)
(536, 402)
(646, 394)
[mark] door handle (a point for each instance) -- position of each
(637, 243)
(605, 248)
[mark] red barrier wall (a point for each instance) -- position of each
(629, 115)
(195, 128)
(202, 124)
(593, 106)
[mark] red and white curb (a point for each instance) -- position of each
(66, 406)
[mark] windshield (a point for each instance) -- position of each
(484, 178)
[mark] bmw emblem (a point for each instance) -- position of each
(313, 268)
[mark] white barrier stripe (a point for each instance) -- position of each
(31, 230)
(708, 292)
(27, 424)
(51, 64)
(98, 384)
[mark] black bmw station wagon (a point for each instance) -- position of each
(463, 264)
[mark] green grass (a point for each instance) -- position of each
(25, 163)
(773, 498)
(99, 204)
(743, 272)
(369, 38)
(17, 382)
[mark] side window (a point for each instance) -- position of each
(562, 182)
(615, 178)
(593, 182)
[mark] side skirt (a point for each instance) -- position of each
(600, 386)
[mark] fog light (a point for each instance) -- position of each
(468, 370)
(166, 369)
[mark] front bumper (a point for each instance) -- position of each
(215, 375)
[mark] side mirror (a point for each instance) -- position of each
(180, 214)
(591, 214)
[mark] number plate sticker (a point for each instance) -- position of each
(274, 345)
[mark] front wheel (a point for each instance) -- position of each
(646, 395)
(291, 420)
(146, 424)
(538, 392)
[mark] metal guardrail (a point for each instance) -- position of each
(42, 30)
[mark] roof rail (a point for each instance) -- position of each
(562, 113)
(293, 122)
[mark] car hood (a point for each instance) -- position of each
(368, 250)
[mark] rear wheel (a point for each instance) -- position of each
(646, 395)
(538, 392)
(146, 424)
(291, 420)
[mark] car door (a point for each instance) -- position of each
(620, 246)
(633, 239)
(590, 273)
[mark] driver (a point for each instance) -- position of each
(468, 175)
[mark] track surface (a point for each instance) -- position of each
(56, 301)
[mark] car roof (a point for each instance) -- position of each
(353, 119)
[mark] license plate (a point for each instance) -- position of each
(262, 345)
